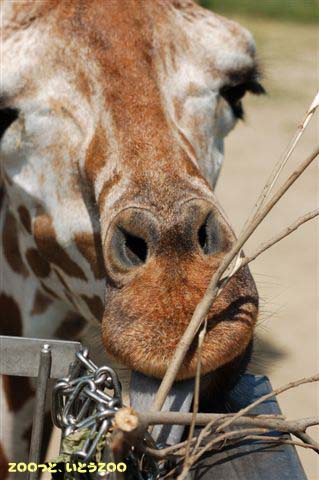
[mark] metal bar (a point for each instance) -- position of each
(39, 408)
(20, 356)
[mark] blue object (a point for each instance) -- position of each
(251, 460)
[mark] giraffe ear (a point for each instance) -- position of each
(7, 116)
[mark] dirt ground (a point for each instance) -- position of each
(286, 275)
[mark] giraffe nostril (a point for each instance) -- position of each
(129, 242)
(130, 249)
(202, 237)
(136, 247)
(209, 235)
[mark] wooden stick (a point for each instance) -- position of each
(307, 439)
(178, 418)
(201, 337)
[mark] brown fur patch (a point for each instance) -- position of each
(108, 185)
(17, 391)
(25, 218)
(11, 246)
(51, 250)
(96, 154)
(3, 464)
(41, 303)
(10, 316)
(95, 305)
(71, 327)
(90, 247)
(40, 267)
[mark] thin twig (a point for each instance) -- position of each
(283, 161)
(284, 441)
(271, 422)
(244, 435)
(294, 427)
(277, 238)
(201, 337)
(277, 391)
(226, 436)
(239, 438)
(307, 439)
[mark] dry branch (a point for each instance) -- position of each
(201, 337)
(308, 440)
(273, 422)
(178, 418)
(283, 441)
(277, 391)
(280, 236)
(283, 161)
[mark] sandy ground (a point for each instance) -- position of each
(286, 275)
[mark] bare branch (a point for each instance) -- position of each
(273, 422)
(265, 246)
(277, 391)
(234, 434)
(254, 422)
(283, 441)
(307, 439)
(201, 337)
(283, 161)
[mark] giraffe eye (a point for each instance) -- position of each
(7, 116)
(233, 94)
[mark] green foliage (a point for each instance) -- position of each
(289, 10)
(74, 443)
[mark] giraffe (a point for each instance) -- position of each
(113, 120)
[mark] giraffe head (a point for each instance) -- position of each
(118, 113)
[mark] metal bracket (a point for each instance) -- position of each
(21, 356)
(41, 358)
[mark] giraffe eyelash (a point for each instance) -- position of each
(234, 94)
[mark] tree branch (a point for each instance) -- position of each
(277, 391)
(283, 161)
(280, 236)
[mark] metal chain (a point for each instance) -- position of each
(89, 399)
